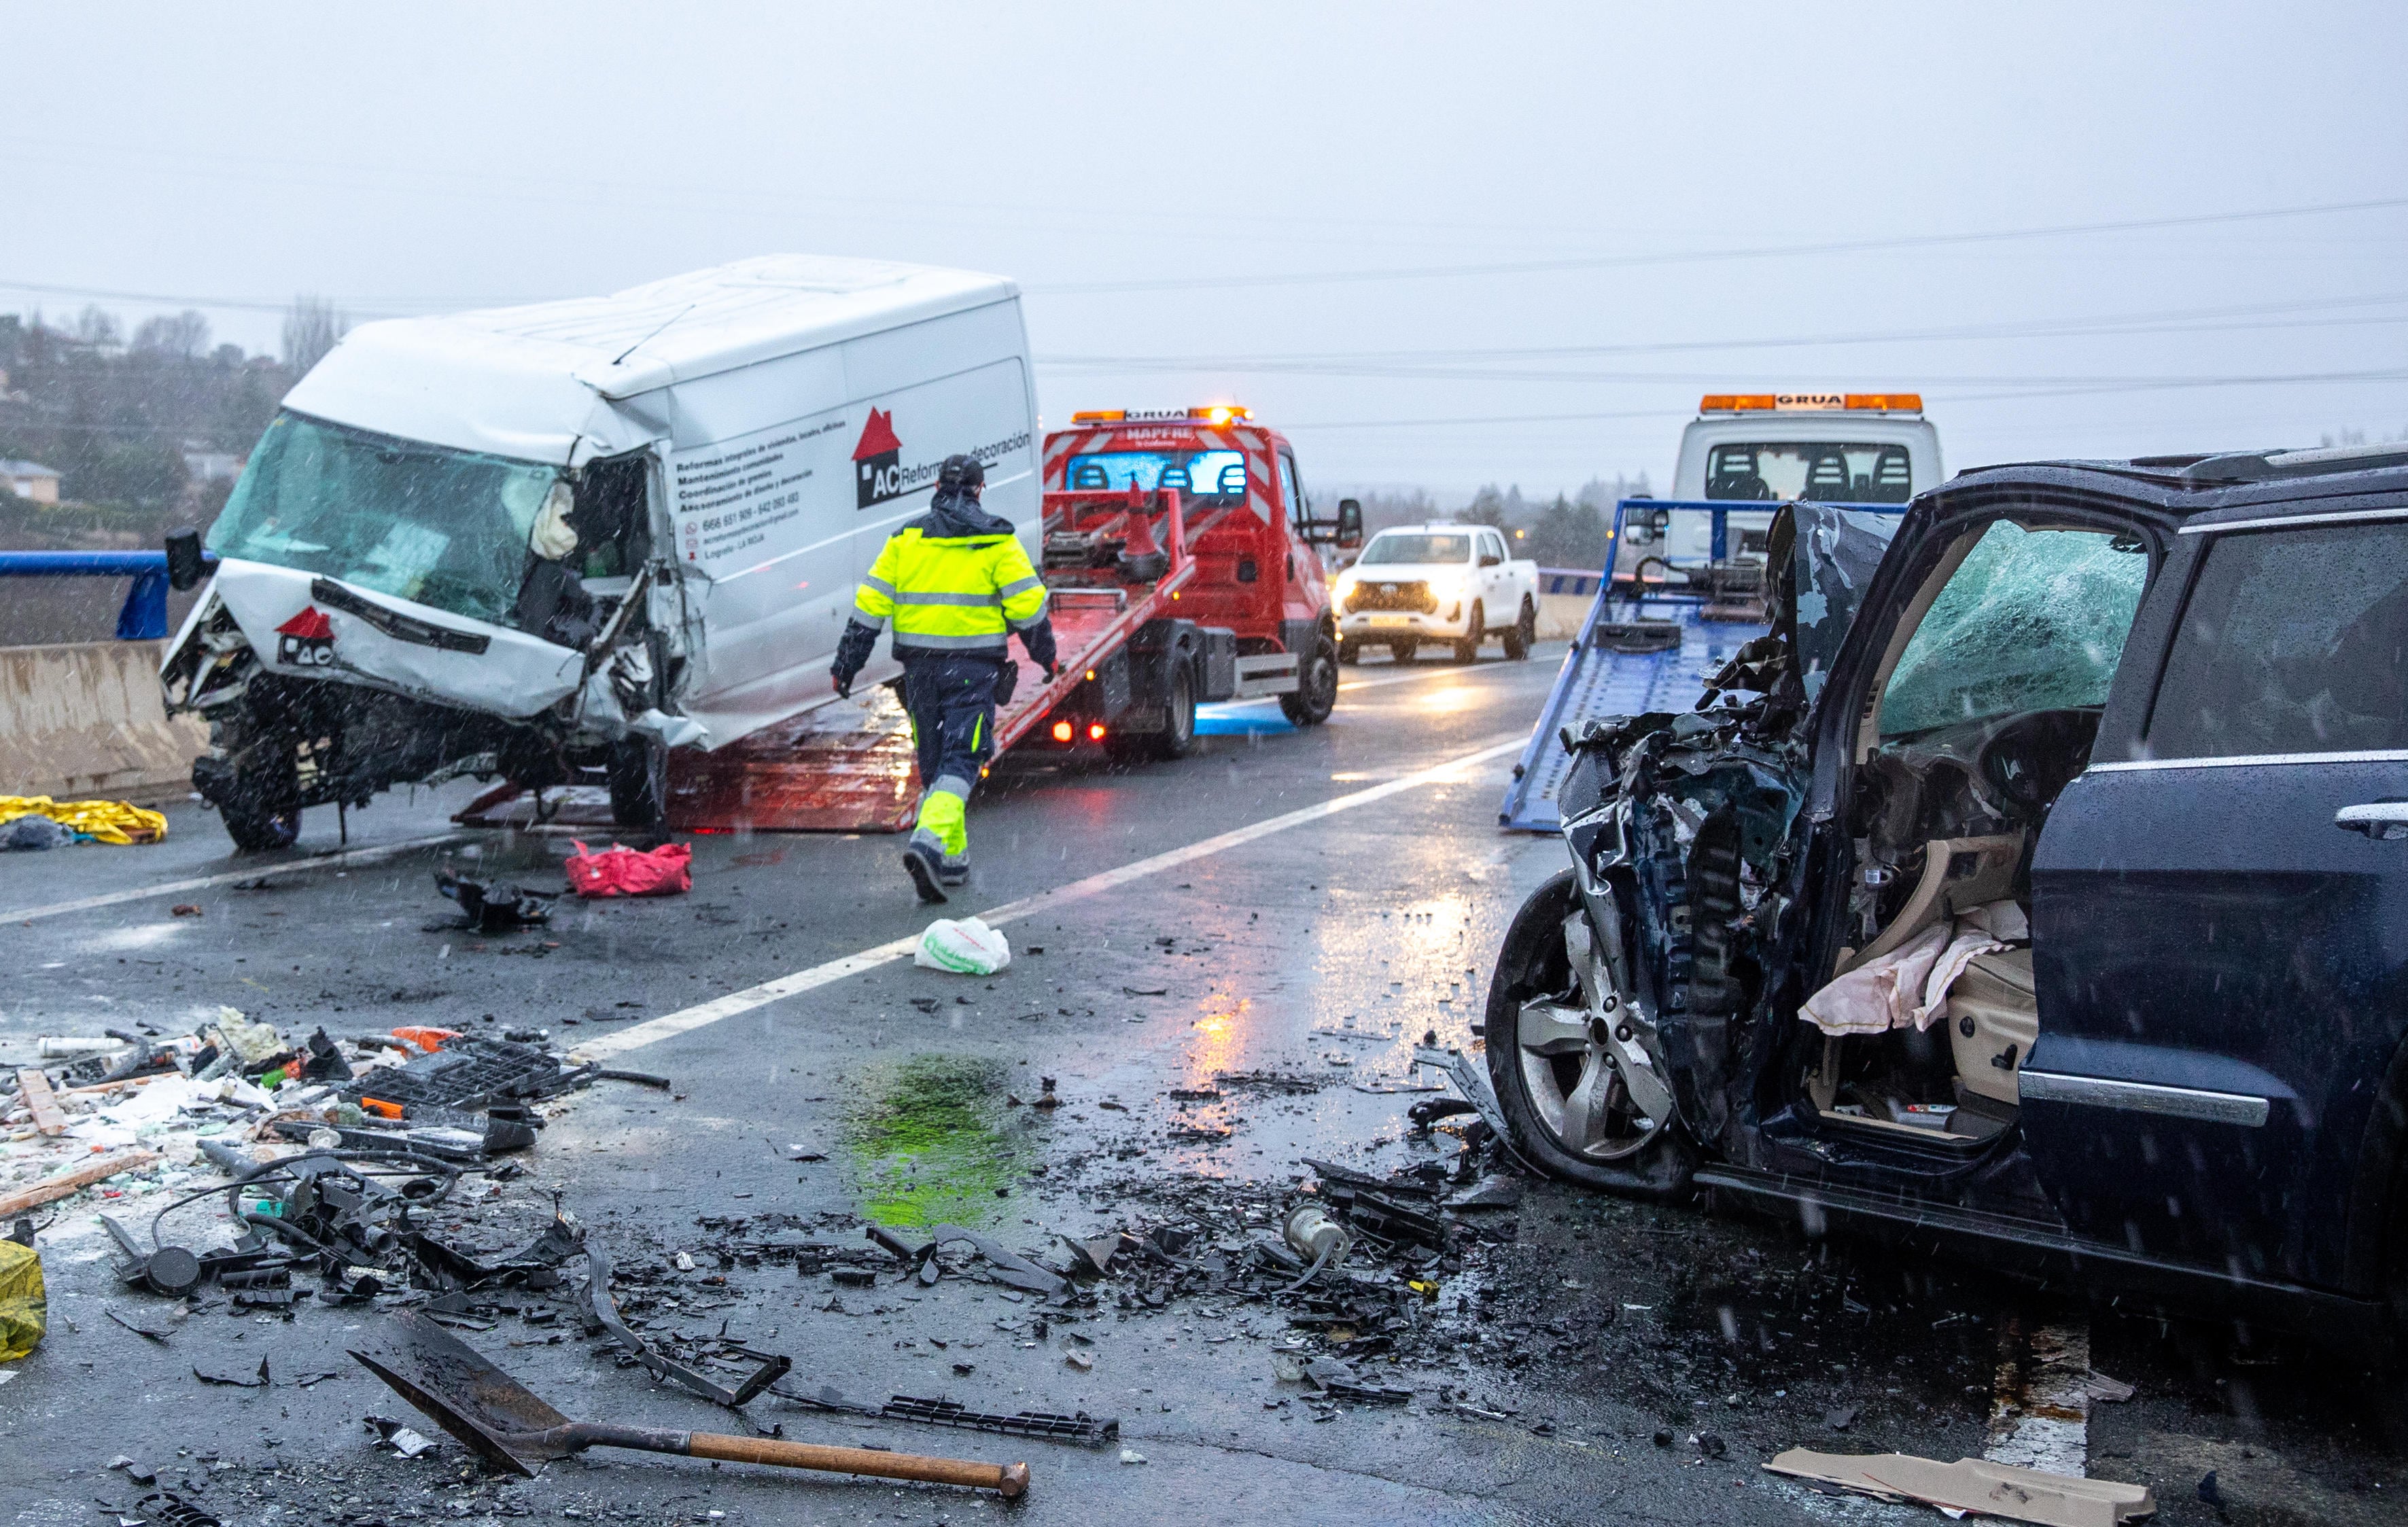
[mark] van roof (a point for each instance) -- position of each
(527, 381)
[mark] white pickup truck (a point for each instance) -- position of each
(1456, 584)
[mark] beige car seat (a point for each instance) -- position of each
(1993, 1016)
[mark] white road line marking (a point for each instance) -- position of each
(2039, 1404)
(652, 1031)
(169, 888)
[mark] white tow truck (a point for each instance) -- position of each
(1441, 583)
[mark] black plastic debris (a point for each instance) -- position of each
(170, 1270)
(1080, 1428)
(602, 1312)
(471, 1073)
(1496, 1191)
(1009, 1268)
(163, 1508)
(135, 1471)
(237, 1378)
(495, 906)
(1395, 1211)
(1341, 1382)
(325, 1062)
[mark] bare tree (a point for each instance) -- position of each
(184, 335)
(97, 328)
(311, 327)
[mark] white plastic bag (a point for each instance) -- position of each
(966, 947)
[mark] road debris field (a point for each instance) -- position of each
(390, 1181)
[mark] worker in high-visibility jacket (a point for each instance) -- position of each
(955, 583)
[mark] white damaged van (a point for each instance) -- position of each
(552, 542)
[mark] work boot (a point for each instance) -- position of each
(925, 867)
(953, 869)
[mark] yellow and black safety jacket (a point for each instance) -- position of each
(955, 582)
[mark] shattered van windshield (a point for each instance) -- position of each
(442, 528)
(2031, 620)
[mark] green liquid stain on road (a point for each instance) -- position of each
(930, 1144)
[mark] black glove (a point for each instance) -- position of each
(851, 650)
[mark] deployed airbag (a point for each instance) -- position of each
(1909, 986)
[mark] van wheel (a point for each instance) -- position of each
(256, 828)
(637, 770)
(1522, 633)
(259, 806)
(1563, 1096)
(1467, 649)
(1349, 652)
(1176, 739)
(1316, 687)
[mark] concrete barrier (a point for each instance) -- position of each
(1560, 615)
(85, 719)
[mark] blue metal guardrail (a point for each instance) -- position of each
(144, 615)
(1596, 681)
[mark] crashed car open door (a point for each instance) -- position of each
(2221, 910)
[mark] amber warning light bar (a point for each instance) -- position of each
(1215, 414)
(1883, 403)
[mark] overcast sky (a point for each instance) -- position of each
(1212, 202)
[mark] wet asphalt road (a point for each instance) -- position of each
(1338, 935)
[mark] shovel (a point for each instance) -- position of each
(505, 1424)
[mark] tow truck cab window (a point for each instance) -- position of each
(1292, 493)
(2291, 641)
(1209, 479)
(2031, 620)
(1822, 471)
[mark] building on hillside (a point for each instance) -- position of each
(212, 465)
(30, 480)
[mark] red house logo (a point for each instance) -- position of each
(307, 640)
(877, 461)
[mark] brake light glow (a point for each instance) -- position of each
(1094, 730)
(1064, 731)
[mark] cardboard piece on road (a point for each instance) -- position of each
(63, 1183)
(35, 1088)
(1971, 1484)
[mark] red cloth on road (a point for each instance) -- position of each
(618, 871)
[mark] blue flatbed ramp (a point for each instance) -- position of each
(1609, 671)
(1597, 680)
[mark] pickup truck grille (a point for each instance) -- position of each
(1413, 595)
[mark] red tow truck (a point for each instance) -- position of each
(1249, 529)
(1183, 564)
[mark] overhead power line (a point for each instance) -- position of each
(1682, 257)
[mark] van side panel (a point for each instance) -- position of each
(772, 526)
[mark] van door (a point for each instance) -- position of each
(2221, 923)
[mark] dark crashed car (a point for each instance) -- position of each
(2037, 888)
